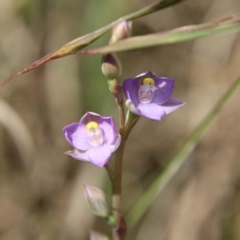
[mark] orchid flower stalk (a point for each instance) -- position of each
(95, 138)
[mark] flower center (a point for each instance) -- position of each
(95, 134)
(146, 90)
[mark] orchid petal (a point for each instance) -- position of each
(151, 110)
(76, 135)
(171, 105)
(130, 89)
(100, 155)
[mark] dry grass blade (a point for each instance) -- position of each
(181, 34)
(87, 39)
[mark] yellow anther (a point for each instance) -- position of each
(148, 82)
(92, 125)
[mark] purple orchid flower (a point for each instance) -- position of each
(150, 96)
(94, 138)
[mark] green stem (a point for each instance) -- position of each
(109, 171)
(156, 187)
(117, 189)
(131, 120)
(117, 181)
(121, 111)
(119, 233)
(125, 130)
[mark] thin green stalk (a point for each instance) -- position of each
(119, 233)
(156, 187)
(121, 111)
(117, 190)
(117, 182)
(131, 120)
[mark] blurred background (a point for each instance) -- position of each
(41, 194)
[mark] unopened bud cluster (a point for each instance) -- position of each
(111, 66)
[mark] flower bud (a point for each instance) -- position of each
(121, 31)
(111, 66)
(97, 201)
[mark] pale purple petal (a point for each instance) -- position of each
(69, 130)
(171, 105)
(164, 90)
(82, 156)
(151, 110)
(144, 74)
(109, 128)
(116, 142)
(130, 106)
(76, 135)
(109, 120)
(130, 89)
(90, 116)
(100, 155)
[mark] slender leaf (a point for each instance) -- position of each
(85, 40)
(186, 33)
(161, 181)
